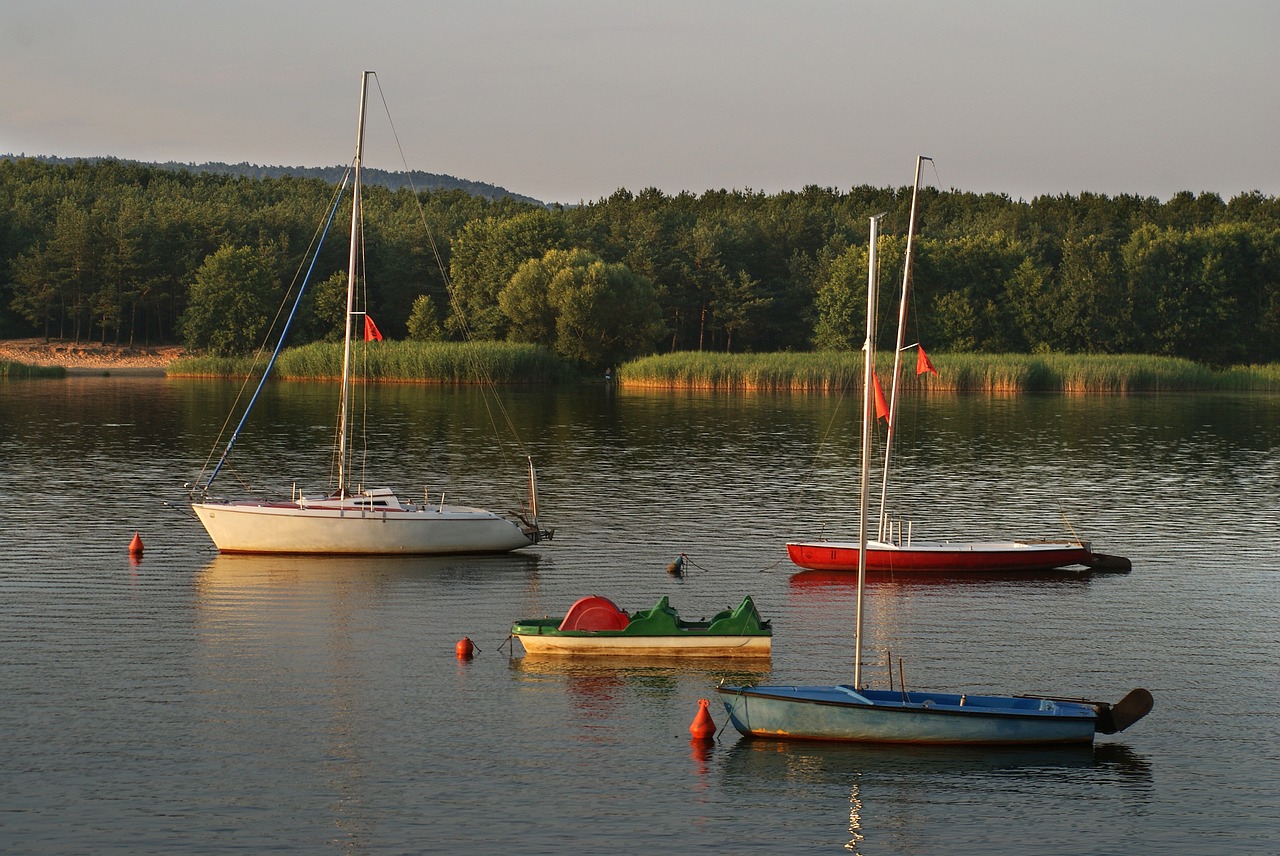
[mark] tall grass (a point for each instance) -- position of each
(997, 373)
(806, 372)
(1078, 373)
(824, 371)
(15, 371)
(421, 362)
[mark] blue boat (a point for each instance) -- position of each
(891, 716)
(854, 713)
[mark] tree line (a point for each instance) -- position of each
(127, 253)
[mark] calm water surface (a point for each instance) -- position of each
(195, 703)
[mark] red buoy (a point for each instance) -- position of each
(703, 726)
(135, 546)
(464, 649)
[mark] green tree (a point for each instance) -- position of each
(1200, 292)
(1172, 308)
(960, 293)
(424, 322)
(841, 303)
(57, 280)
(232, 300)
(526, 299)
(35, 288)
(486, 254)
(1090, 309)
(595, 313)
(1267, 345)
(322, 315)
(605, 314)
(740, 305)
(1030, 304)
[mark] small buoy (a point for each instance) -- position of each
(703, 726)
(465, 649)
(676, 568)
(135, 546)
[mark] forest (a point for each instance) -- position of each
(133, 254)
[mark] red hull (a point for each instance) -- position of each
(944, 557)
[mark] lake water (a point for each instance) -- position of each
(191, 703)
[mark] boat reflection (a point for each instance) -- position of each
(918, 579)
(894, 777)
(638, 669)
(598, 684)
(229, 571)
(783, 760)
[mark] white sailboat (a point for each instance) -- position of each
(363, 521)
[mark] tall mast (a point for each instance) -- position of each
(897, 351)
(344, 429)
(868, 411)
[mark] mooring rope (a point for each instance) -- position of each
(689, 561)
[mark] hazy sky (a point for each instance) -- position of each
(568, 100)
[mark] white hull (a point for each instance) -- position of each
(248, 527)
(648, 646)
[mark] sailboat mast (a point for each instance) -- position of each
(897, 351)
(868, 414)
(344, 407)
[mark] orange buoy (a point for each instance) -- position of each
(703, 726)
(135, 546)
(465, 649)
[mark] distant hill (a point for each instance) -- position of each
(332, 174)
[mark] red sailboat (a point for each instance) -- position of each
(897, 551)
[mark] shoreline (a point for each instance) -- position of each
(116, 371)
(88, 359)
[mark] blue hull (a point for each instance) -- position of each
(888, 716)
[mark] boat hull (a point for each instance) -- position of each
(595, 626)
(838, 713)
(249, 527)
(684, 645)
(941, 556)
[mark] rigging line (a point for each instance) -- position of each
(266, 372)
(917, 316)
(1070, 528)
(431, 239)
(363, 291)
(317, 238)
(488, 384)
(826, 435)
(934, 164)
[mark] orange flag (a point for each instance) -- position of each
(922, 362)
(371, 333)
(882, 406)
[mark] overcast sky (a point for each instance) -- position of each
(569, 100)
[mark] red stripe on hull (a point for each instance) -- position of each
(835, 557)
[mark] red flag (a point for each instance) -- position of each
(371, 333)
(882, 406)
(922, 362)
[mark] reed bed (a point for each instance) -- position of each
(829, 371)
(17, 371)
(804, 372)
(395, 362)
